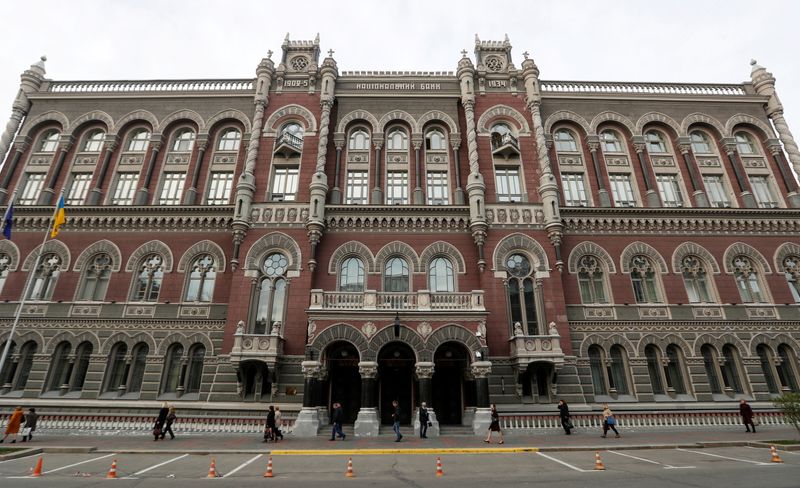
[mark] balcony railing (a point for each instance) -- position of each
(150, 86)
(288, 144)
(422, 300)
(500, 141)
(725, 90)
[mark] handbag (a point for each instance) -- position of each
(610, 420)
(26, 431)
(156, 431)
(568, 424)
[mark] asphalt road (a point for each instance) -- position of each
(730, 467)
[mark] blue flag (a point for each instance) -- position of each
(8, 221)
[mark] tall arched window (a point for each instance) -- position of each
(59, 370)
(396, 275)
(195, 375)
(590, 280)
(115, 372)
(611, 140)
(49, 141)
(202, 275)
(5, 264)
(701, 143)
(674, 369)
(81, 366)
(747, 281)
(565, 141)
(6, 374)
(229, 140)
(617, 372)
(24, 365)
(745, 144)
(521, 293)
(94, 141)
(440, 275)
(787, 368)
(397, 140)
(351, 275)
(45, 277)
(730, 369)
(791, 269)
(695, 279)
(95, 278)
(184, 141)
(710, 362)
(359, 140)
(435, 141)
(272, 295)
(643, 278)
(653, 357)
(597, 367)
(148, 280)
(138, 365)
(767, 360)
(139, 140)
(656, 142)
(172, 368)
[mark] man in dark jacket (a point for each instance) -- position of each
(31, 418)
(747, 416)
(563, 413)
(337, 422)
(423, 421)
(396, 420)
(162, 417)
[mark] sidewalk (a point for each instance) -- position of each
(580, 440)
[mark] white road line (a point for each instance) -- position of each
(575, 468)
(666, 466)
(757, 463)
(153, 467)
(242, 466)
(78, 464)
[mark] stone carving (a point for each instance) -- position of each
(518, 331)
(276, 328)
(481, 330)
(552, 329)
(369, 329)
(598, 313)
(530, 345)
(761, 313)
(424, 329)
(424, 370)
(653, 312)
(368, 369)
(240, 327)
(707, 312)
(312, 330)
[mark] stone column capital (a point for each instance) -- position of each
(311, 369)
(368, 369)
(424, 369)
(481, 369)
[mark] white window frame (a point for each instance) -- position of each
(78, 188)
(357, 187)
(508, 179)
(616, 181)
(31, 188)
(284, 183)
(397, 188)
(136, 143)
(172, 188)
(229, 144)
(763, 191)
(573, 186)
(437, 188)
(669, 187)
(125, 188)
(220, 187)
(717, 192)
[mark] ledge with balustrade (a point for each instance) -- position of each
(556, 87)
(263, 347)
(531, 347)
(421, 301)
(176, 87)
(680, 312)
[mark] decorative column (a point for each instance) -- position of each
(729, 143)
(307, 423)
(476, 188)
(191, 193)
(21, 145)
(594, 146)
(774, 147)
(651, 196)
(144, 192)
(96, 195)
(419, 195)
(483, 416)
(367, 422)
(455, 143)
(46, 197)
(30, 81)
(336, 191)
(699, 196)
(377, 192)
(424, 375)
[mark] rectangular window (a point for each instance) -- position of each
(34, 182)
(574, 190)
(509, 188)
(763, 192)
(78, 189)
(670, 190)
(172, 188)
(715, 189)
(356, 188)
(622, 190)
(438, 192)
(284, 184)
(125, 189)
(397, 188)
(219, 189)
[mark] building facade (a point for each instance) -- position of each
(460, 238)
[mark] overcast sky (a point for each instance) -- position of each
(670, 40)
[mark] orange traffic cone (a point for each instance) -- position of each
(598, 463)
(37, 471)
(775, 457)
(212, 470)
(269, 474)
(350, 473)
(439, 471)
(112, 473)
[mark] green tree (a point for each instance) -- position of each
(789, 405)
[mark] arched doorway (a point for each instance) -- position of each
(254, 380)
(538, 382)
(396, 380)
(344, 380)
(451, 360)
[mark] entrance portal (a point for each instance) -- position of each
(344, 385)
(450, 363)
(254, 381)
(538, 382)
(396, 381)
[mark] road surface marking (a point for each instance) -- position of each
(757, 463)
(78, 464)
(242, 466)
(22, 457)
(565, 463)
(153, 467)
(666, 466)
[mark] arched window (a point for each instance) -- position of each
(94, 141)
(195, 376)
(653, 357)
(148, 280)
(397, 140)
(359, 140)
(597, 367)
(49, 141)
(59, 367)
(701, 143)
(591, 281)
(440, 275)
(767, 360)
(139, 140)
(791, 269)
(730, 369)
(81, 366)
(5, 264)
(618, 377)
(695, 280)
(787, 368)
(24, 365)
(45, 277)
(294, 129)
(521, 293)
(115, 372)
(674, 370)
(172, 369)
(710, 363)
(95, 278)
(643, 278)
(202, 276)
(435, 141)
(138, 364)
(747, 281)
(656, 142)
(745, 144)
(272, 294)
(395, 275)
(6, 374)
(501, 128)
(351, 275)
(612, 143)
(565, 141)
(229, 140)
(184, 141)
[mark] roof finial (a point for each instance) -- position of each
(463, 53)
(526, 54)
(316, 39)
(269, 54)
(507, 38)
(753, 62)
(330, 53)
(287, 37)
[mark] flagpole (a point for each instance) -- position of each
(27, 286)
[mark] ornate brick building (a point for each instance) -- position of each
(309, 236)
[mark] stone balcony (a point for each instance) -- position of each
(422, 300)
(528, 348)
(262, 347)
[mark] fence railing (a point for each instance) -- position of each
(638, 420)
(149, 86)
(643, 88)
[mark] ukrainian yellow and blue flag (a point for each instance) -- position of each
(59, 219)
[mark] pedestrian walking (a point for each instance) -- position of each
(609, 422)
(563, 413)
(396, 420)
(158, 427)
(269, 431)
(494, 426)
(278, 433)
(171, 417)
(31, 419)
(14, 422)
(747, 416)
(424, 420)
(337, 418)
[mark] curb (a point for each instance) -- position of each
(368, 452)
(29, 451)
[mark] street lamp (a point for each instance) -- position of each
(396, 324)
